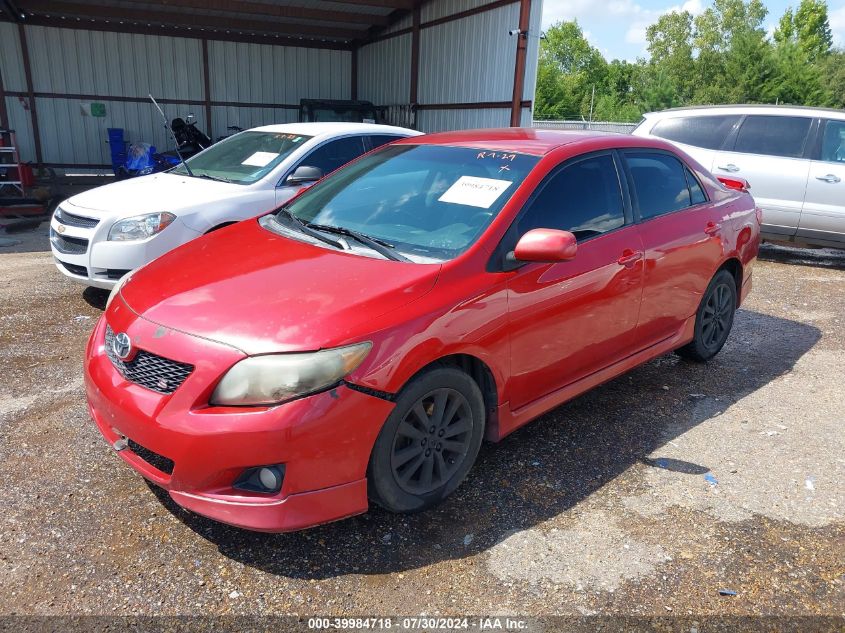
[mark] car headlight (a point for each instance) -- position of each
(265, 380)
(140, 227)
(116, 288)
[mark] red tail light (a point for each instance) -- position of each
(737, 184)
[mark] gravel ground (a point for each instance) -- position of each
(644, 497)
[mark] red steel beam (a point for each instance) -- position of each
(206, 84)
(27, 71)
(415, 56)
(521, 55)
(353, 75)
(4, 114)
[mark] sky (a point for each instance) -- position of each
(617, 27)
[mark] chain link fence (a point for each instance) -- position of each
(598, 126)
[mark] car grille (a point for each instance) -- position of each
(69, 245)
(75, 220)
(153, 372)
(73, 268)
(159, 462)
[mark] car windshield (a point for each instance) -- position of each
(244, 158)
(428, 202)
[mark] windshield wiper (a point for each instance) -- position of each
(216, 178)
(378, 245)
(300, 226)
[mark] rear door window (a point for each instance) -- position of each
(336, 153)
(377, 140)
(708, 132)
(783, 136)
(660, 183)
(833, 142)
(583, 198)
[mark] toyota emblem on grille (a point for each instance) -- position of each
(121, 345)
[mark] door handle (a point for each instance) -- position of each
(729, 167)
(629, 257)
(712, 228)
(831, 178)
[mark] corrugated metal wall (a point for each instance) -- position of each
(465, 61)
(122, 65)
(384, 71)
(114, 64)
(261, 73)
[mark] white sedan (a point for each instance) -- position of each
(100, 235)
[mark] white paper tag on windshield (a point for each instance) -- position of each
(260, 159)
(475, 192)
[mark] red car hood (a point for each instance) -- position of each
(261, 292)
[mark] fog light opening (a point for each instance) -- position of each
(263, 479)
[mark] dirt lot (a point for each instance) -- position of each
(644, 497)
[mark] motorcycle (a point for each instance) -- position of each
(142, 159)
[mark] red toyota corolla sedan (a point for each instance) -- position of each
(360, 342)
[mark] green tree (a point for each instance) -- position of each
(797, 81)
(670, 46)
(812, 29)
(721, 56)
(569, 69)
(832, 68)
(732, 52)
(786, 27)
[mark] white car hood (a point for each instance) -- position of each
(154, 193)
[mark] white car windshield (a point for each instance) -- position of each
(424, 202)
(244, 158)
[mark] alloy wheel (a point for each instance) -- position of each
(432, 441)
(717, 316)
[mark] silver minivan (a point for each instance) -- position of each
(793, 158)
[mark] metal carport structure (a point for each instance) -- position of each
(436, 64)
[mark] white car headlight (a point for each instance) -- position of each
(265, 380)
(116, 288)
(140, 227)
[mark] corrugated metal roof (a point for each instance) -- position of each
(309, 20)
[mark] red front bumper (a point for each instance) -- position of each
(324, 440)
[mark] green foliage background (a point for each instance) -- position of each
(720, 56)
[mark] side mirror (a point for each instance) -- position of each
(304, 175)
(546, 246)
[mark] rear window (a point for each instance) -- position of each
(708, 132)
(783, 136)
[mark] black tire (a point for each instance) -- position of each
(417, 463)
(714, 319)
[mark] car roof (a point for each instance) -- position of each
(535, 141)
(334, 128)
(747, 108)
